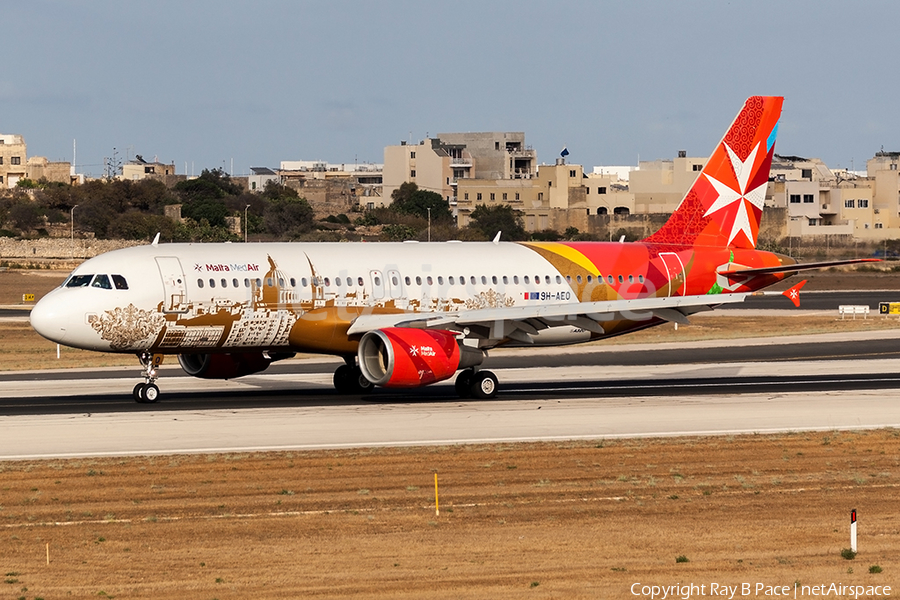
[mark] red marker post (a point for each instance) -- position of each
(853, 530)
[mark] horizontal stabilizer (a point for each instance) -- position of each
(793, 268)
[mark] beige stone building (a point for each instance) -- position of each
(441, 163)
(556, 197)
(15, 164)
(138, 168)
(332, 189)
(13, 160)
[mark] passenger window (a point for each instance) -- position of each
(200, 283)
(224, 283)
(472, 280)
(121, 284)
(547, 279)
(483, 280)
(418, 280)
(641, 278)
(212, 283)
(269, 282)
(280, 282)
(327, 282)
(79, 280)
(609, 278)
(359, 281)
(234, 282)
(294, 282)
(568, 278)
(537, 280)
(631, 279)
(247, 283)
(407, 280)
(394, 281)
(450, 279)
(558, 279)
(516, 279)
(505, 280)
(303, 282)
(621, 280)
(258, 282)
(378, 281)
(526, 280)
(578, 278)
(429, 280)
(494, 279)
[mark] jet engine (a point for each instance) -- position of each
(227, 366)
(401, 357)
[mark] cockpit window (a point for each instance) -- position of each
(79, 280)
(120, 282)
(101, 281)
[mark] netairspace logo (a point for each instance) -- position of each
(757, 590)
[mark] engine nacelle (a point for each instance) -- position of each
(401, 357)
(226, 366)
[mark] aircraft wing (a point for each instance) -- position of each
(795, 267)
(520, 322)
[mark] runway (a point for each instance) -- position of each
(838, 381)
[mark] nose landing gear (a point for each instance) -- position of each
(148, 392)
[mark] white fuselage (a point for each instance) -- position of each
(221, 297)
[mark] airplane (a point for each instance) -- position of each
(409, 314)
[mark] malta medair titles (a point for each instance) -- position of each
(756, 590)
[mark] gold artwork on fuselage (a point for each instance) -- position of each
(129, 327)
(489, 299)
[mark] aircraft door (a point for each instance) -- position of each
(395, 283)
(173, 284)
(674, 273)
(377, 279)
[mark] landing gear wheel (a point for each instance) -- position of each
(463, 384)
(484, 385)
(148, 392)
(151, 393)
(138, 392)
(350, 380)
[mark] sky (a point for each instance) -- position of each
(233, 84)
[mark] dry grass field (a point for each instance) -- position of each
(562, 520)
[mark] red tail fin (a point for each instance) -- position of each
(724, 206)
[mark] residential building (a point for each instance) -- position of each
(439, 164)
(13, 159)
(260, 176)
(138, 168)
(334, 188)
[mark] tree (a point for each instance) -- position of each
(288, 217)
(488, 220)
(410, 200)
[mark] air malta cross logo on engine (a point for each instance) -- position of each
(221, 268)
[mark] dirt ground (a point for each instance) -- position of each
(564, 520)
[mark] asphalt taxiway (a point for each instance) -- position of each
(835, 381)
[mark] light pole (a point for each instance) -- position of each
(72, 219)
(245, 223)
(429, 224)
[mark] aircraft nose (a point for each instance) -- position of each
(48, 318)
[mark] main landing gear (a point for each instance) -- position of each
(476, 384)
(148, 392)
(348, 379)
